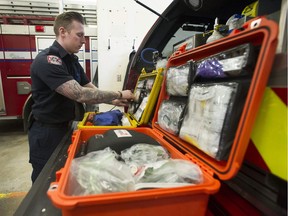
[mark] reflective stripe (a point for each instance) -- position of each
(270, 133)
(17, 55)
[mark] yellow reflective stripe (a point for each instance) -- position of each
(270, 133)
(12, 195)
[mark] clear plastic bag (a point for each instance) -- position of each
(237, 61)
(150, 83)
(204, 120)
(170, 171)
(170, 114)
(99, 172)
(146, 166)
(210, 68)
(178, 80)
(141, 108)
(141, 154)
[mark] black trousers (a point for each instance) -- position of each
(43, 140)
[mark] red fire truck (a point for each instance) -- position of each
(19, 45)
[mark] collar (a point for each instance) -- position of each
(63, 52)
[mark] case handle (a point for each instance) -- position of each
(255, 23)
(180, 50)
(57, 199)
(59, 174)
(53, 186)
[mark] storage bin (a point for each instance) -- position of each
(168, 201)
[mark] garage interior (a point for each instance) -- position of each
(254, 188)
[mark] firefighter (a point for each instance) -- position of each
(58, 80)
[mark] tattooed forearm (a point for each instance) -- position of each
(70, 89)
(74, 91)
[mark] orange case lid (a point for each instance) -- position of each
(261, 32)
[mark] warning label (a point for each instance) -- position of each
(122, 133)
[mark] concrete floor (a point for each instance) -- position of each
(15, 169)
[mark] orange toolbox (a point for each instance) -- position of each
(241, 89)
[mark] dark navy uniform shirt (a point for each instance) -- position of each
(51, 68)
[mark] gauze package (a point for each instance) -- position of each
(204, 120)
(178, 80)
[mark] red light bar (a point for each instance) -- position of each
(39, 28)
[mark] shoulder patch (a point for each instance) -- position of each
(54, 60)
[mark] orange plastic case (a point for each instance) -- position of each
(168, 201)
(186, 200)
(260, 32)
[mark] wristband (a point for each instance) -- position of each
(120, 94)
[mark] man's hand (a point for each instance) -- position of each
(120, 102)
(128, 95)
